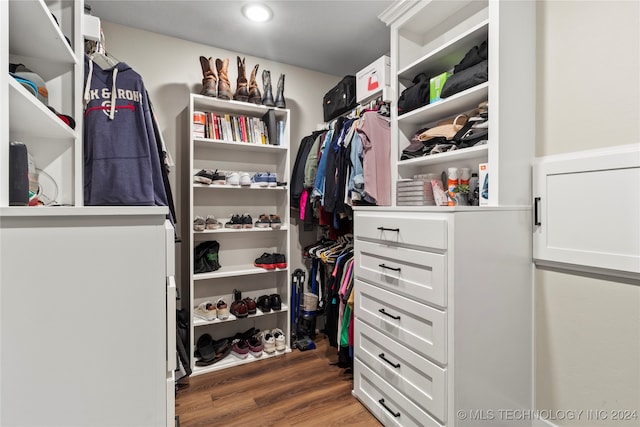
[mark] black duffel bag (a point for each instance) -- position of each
(340, 99)
(205, 257)
(414, 96)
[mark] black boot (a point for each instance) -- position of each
(280, 103)
(267, 99)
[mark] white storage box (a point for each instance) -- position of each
(373, 80)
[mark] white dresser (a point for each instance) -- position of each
(443, 315)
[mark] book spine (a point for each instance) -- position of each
(243, 129)
(227, 121)
(280, 133)
(216, 130)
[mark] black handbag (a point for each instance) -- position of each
(205, 257)
(465, 79)
(340, 99)
(414, 96)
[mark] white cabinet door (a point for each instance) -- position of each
(587, 210)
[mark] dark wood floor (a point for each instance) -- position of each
(301, 388)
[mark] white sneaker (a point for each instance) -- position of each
(206, 310)
(233, 178)
(281, 341)
(268, 342)
(245, 178)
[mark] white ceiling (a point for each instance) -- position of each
(331, 36)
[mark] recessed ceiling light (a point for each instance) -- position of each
(257, 12)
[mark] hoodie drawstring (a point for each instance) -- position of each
(87, 86)
(113, 94)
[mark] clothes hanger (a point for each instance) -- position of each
(100, 57)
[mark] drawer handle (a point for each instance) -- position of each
(390, 315)
(397, 230)
(395, 365)
(395, 414)
(536, 207)
(389, 268)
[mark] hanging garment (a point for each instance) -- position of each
(121, 159)
(297, 175)
(375, 132)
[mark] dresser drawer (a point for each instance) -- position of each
(421, 276)
(413, 229)
(415, 325)
(412, 375)
(389, 405)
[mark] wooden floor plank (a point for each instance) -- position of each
(295, 389)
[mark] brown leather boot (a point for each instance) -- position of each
(268, 94)
(209, 77)
(280, 102)
(254, 91)
(224, 87)
(242, 91)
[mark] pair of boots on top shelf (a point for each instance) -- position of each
(246, 91)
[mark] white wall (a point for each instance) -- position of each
(170, 69)
(587, 329)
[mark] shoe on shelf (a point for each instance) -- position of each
(198, 223)
(214, 350)
(275, 301)
(266, 260)
(268, 342)
(272, 179)
(280, 260)
(251, 305)
(275, 221)
(280, 339)
(261, 179)
(264, 221)
(222, 309)
(206, 311)
(204, 176)
(246, 334)
(233, 178)
(245, 178)
(255, 345)
(235, 222)
(264, 304)
(239, 309)
(240, 348)
(205, 347)
(247, 221)
(212, 223)
(219, 178)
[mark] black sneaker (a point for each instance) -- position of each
(219, 178)
(204, 176)
(235, 222)
(280, 260)
(266, 261)
(264, 304)
(247, 221)
(276, 302)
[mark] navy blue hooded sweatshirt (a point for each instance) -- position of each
(121, 159)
